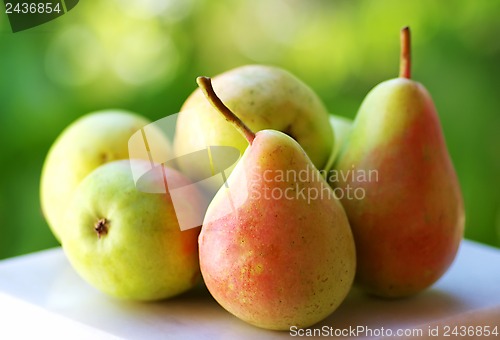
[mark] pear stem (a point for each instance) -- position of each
(405, 59)
(205, 84)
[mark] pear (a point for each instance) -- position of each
(342, 128)
(264, 97)
(128, 243)
(89, 142)
(407, 215)
(275, 248)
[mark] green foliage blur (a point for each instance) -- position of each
(144, 55)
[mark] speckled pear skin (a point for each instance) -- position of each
(140, 253)
(409, 225)
(277, 262)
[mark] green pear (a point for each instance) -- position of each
(89, 142)
(276, 249)
(264, 97)
(128, 243)
(341, 127)
(405, 205)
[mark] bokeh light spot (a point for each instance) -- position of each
(74, 57)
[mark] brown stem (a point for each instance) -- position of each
(205, 83)
(405, 59)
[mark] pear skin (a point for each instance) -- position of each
(275, 261)
(409, 222)
(128, 243)
(342, 128)
(276, 249)
(264, 97)
(92, 140)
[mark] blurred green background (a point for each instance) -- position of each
(144, 55)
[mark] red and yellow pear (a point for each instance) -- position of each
(275, 248)
(410, 220)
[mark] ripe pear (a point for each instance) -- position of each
(341, 127)
(410, 221)
(264, 97)
(128, 243)
(275, 251)
(89, 142)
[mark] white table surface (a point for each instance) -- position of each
(42, 297)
